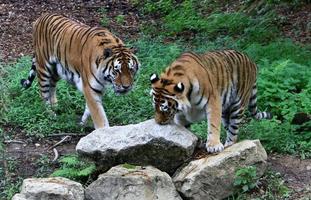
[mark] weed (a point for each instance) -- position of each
(104, 21)
(246, 178)
(270, 186)
(120, 19)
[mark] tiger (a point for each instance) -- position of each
(87, 57)
(216, 85)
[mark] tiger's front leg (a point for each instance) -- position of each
(95, 108)
(213, 144)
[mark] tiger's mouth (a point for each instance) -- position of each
(122, 89)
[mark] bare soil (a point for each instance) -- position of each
(16, 18)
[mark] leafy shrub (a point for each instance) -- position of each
(74, 168)
(285, 88)
(246, 178)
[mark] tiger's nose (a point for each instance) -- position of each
(125, 87)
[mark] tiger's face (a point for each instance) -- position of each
(164, 98)
(122, 66)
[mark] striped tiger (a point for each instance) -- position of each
(87, 57)
(217, 85)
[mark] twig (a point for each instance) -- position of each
(62, 140)
(14, 141)
(5, 167)
(56, 155)
(67, 134)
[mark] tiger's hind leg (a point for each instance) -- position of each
(231, 122)
(47, 84)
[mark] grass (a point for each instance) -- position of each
(284, 85)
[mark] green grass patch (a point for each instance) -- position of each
(26, 109)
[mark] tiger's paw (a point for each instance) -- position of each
(214, 148)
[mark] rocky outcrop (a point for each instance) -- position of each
(127, 182)
(147, 143)
(50, 188)
(212, 177)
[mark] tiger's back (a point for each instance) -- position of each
(227, 73)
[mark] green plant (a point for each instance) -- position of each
(246, 178)
(11, 187)
(282, 94)
(270, 186)
(128, 166)
(104, 20)
(120, 19)
(74, 168)
(157, 7)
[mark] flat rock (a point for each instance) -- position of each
(56, 188)
(128, 182)
(212, 177)
(163, 146)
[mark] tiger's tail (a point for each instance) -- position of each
(252, 107)
(26, 83)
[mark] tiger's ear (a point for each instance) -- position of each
(154, 78)
(179, 87)
(107, 53)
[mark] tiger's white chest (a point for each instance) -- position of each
(69, 76)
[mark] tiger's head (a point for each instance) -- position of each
(166, 98)
(120, 68)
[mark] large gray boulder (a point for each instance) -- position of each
(212, 177)
(163, 146)
(127, 182)
(56, 188)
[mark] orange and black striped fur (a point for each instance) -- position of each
(87, 57)
(216, 85)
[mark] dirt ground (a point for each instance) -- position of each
(16, 17)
